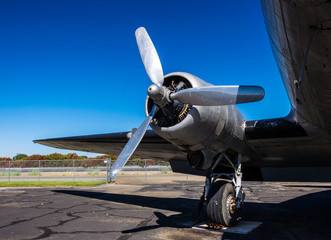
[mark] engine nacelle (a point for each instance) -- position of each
(196, 128)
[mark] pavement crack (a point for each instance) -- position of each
(33, 218)
(47, 232)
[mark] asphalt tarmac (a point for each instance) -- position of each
(160, 211)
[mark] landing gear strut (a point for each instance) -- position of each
(223, 193)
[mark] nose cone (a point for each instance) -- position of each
(155, 92)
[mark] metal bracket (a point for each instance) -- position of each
(235, 178)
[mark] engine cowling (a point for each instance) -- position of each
(197, 128)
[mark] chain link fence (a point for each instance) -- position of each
(80, 170)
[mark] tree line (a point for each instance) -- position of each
(65, 160)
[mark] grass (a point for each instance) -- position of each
(15, 173)
(12, 173)
(94, 172)
(164, 170)
(51, 184)
(34, 173)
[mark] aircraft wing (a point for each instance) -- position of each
(152, 146)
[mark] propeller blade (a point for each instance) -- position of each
(149, 56)
(219, 95)
(131, 146)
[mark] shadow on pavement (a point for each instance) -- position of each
(186, 207)
(304, 217)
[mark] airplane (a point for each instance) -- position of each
(197, 127)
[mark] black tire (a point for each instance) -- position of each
(219, 200)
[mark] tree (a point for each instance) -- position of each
(55, 156)
(19, 156)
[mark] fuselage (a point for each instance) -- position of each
(306, 72)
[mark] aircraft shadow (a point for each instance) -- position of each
(188, 208)
(304, 217)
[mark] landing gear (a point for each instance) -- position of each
(221, 204)
(224, 193)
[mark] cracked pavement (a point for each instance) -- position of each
(155, 211)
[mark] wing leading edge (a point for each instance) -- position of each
(152, 145)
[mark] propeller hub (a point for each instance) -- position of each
(159, 94)
(155, 92)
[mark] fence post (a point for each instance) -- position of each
(73, 169)
(145, 172)
(109, 169)
(9, 171)
(107, 173)
(186, 178)
(39, 171)
(107, 166)
(110, 166)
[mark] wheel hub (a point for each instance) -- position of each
(231, 204)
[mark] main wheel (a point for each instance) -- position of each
(221, 204)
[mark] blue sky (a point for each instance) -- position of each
(73, 68)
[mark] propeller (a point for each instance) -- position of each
(219, 95)
(154, 71)
(132, 144)
(204, 96)
(149, 57)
